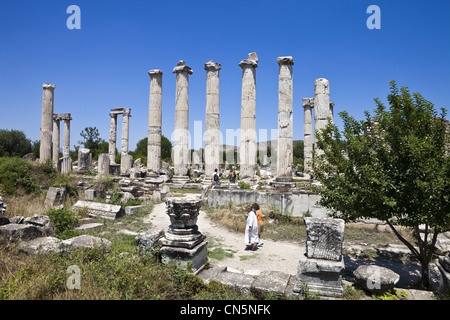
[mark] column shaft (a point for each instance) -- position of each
(285, 120)
(308, 105)
(212, 118)
(112, 138)
(56, 139)
(45, 149)
(181, 132)
(154, 121)
(66, 138)
(247, 155)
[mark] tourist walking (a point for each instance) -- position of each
(260, 220)
(251, 229)
(215, 178)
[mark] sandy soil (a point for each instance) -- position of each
(271, 256)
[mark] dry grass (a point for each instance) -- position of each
(25, 205)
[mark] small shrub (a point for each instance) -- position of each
(15, 174)
(63, 222)
(244, 185)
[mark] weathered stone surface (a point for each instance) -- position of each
(45, 149)
(89, 226)
(149, 241)
(324, 238)
(97, 209)
(285, 120)
(154, 121)
(272, 281)
(247, 152)
(103, 163)
(181, 131)
(55, 196)
(130, 210)
(90, 195)
(2, 207)
(375, 278)
(237, 281)
(444, 268)
(41, 245)
(183, 213)
(321, 277)
(84, 160)
(86, 241)
(43, 222)
(12, 232)
(212, 119)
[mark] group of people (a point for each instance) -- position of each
(215, 178)
(254, 227)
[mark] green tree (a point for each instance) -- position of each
(393, 167)
(93, 142)
(166, 148)
(298, 152)
(14, 143)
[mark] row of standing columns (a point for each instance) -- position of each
(50, 132)
(248, 118)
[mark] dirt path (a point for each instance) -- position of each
(271, 256)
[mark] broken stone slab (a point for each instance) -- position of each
(130, 210)
(43, 222)
(236, 281)
(55, 196)
(375, 278)
(443, 265)
(210, 273)
(13, 232)
(89, 226)
(86, 241)
(148, 241)
(90, 195)
(272, 281)
(41, 245)
(97, 209)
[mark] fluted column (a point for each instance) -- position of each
(56, 138)
(247, 154)
(308, 105)
(212, 118)
(181, 132)
(285, 120)
(154, 121)
(45, 149)
(112, 137)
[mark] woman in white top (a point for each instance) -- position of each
(251, 229)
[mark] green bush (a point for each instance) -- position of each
(63, 222)
(15, 174)
(244, 185)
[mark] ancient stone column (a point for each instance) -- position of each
(56, 138)
(66, 136)
(112, 137)
(212, 121)
(308, 105)
(126, 160)
(125, 130)
(285, 120)
(45, 149)
(103, 163)
(181, 132)
(154, 122)
(322, 108)
(247, 155)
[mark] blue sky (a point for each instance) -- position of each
(104, 64)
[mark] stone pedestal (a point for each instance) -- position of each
(320, 270)
(84, 160)
(103, 163)
(183, 243)
(126, 163)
